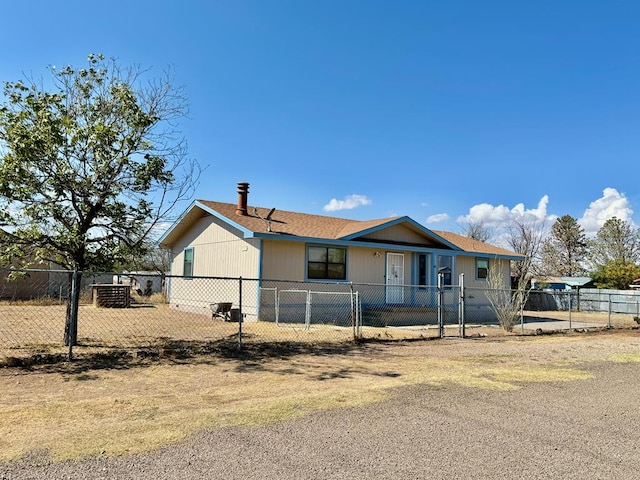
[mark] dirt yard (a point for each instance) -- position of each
(27, 330)
(548, 406)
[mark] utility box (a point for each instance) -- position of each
(111, 295)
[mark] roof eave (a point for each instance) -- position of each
(397, 221)
(378, 245)
(166, 238)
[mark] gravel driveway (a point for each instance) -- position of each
(569, 430)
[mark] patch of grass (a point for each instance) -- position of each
(631, 357)
(34, 302)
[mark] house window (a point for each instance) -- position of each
(187, 264)
(482, 268)
(445, 266)
(326, 263)
(422, 271)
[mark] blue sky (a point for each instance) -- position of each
(442, 111)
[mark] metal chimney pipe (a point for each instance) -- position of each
(243, 195)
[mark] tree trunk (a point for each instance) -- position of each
(73, 302)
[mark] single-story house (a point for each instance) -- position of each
(561, 283)
(398, 254)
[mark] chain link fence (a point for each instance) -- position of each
(143, 310)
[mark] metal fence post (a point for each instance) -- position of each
(461, 312)
(578, 302)
(521, 315)
(240, 313)
(307, 312)
(609, 316)
(353, 312)
(570, 310)
(440, 305)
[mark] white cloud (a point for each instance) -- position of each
(495, 216)
(349, 202)
(439, 217)
(611, 204)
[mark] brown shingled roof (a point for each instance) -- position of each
(284, 222)
(470, 245)
(320, 226)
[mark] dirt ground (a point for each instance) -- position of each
(546, 406)
(27, 330)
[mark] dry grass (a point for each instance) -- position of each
(72, 414)
(598, 318)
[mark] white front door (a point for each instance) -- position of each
(395, 278)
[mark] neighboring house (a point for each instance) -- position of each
(34, 284)
(53, 282)
(561, 283)
(213, 239)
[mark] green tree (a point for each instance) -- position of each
(88, 169)
(616, 274)
(565, 250)
(616, 241)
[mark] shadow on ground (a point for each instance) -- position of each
(251, 355)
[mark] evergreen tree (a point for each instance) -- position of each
(616, 241)
(564, 252)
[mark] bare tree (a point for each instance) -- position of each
(478, 230)
(505, 302)
(526, 237)
(157, 260)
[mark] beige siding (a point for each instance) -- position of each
(467, 265)
(283, 260)
(197, 294)
(365, 267)
(218, 250)
(475, 289)
(399, 233)
(286, 261)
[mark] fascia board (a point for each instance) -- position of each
(517, 258)
(173, 226)
(196, 204)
